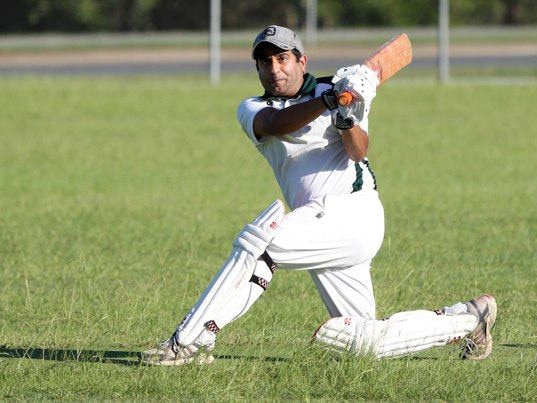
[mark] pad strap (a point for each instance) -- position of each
(260, 281)
(212, 326)
(268, 260)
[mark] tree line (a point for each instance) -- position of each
(155, 15)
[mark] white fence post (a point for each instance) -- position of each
(215, 41)
(443, 40)
(311, 22)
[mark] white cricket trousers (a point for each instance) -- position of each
(335, 238)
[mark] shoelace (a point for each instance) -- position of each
(470, 348)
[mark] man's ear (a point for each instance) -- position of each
(303, 62)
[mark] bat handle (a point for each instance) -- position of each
(345, 98)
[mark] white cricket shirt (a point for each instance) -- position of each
(310, 162)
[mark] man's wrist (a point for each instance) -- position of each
(340, 122)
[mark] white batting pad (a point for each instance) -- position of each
(401, 334)
(230, 292)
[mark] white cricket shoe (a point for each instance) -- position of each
(169, 353)
(478, 344)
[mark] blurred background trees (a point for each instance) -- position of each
(153, 15)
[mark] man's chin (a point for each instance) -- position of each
(278, 92)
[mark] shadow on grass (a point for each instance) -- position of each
(517, 345)
(249, 358)
(127, 358)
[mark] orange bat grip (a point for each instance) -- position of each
(345, 98)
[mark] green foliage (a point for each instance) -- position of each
(143, 15)
(120, 198)
(493, 12)
(335, 13)
(377, 12)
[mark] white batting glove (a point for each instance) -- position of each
(345, 71)
(353, 114)
(357, 69)
(363, 84)
(363, 87)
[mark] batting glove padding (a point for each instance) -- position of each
(340, 122)
(330, 100)
(357, 69)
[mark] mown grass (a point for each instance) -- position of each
(120, 198)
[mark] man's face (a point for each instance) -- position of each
(280, 73)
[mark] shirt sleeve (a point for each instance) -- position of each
(246, 113)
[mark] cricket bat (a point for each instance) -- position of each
(386, 61)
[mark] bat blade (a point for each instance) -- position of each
(386, 61)
(391, 57)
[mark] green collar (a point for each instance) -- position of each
(308, 88)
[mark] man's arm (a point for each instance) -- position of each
(355, 142)
(278, 122)
(362, 85)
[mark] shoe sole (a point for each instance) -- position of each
(200, 359)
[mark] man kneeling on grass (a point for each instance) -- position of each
(317, 150)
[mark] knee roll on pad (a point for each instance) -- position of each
(253, 240)
(239, 282)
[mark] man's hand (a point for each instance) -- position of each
(362, 83)
(342, 123)
(357, 69)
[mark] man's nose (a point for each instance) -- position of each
(274, 65)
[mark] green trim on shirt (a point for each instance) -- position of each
(359, 182)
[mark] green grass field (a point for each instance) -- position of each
(120, 198)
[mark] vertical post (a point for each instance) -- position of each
(443, 40)
(215, 40)
(311, 22)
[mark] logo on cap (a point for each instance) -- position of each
(270, 31)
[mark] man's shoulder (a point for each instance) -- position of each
(246, 112)
(252, 100)
(251, 104)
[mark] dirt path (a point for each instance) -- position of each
(200, 55)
